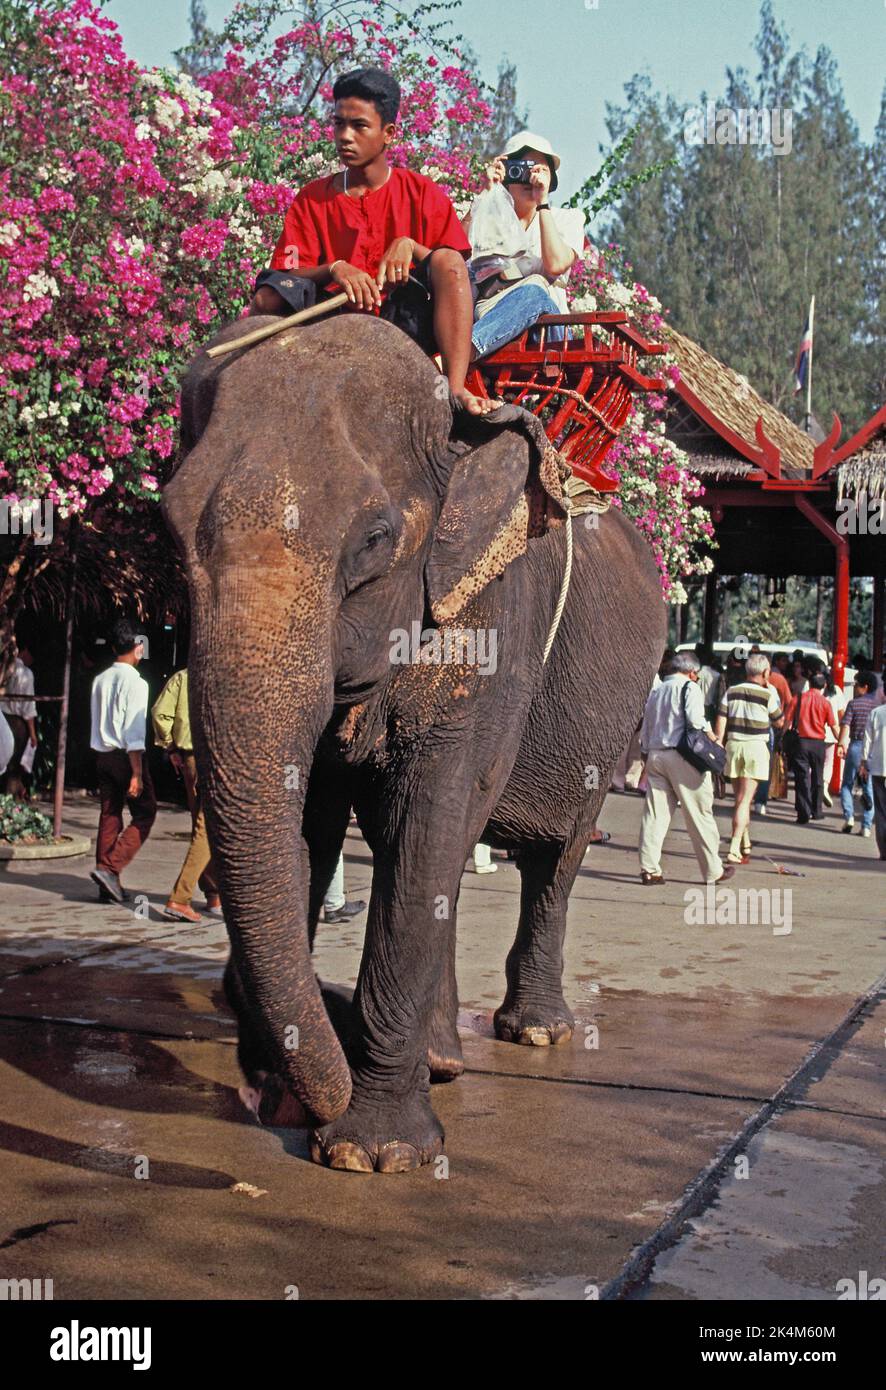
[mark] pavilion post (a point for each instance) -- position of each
(840, 644)
(841, 617)
(878, 618)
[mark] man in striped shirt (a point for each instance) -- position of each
(746, 714)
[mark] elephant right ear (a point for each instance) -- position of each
(483, 525)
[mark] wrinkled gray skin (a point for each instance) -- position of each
(308, 507)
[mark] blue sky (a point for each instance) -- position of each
(571, 57)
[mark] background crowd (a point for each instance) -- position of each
(777, 720)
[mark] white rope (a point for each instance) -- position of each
(564, 587)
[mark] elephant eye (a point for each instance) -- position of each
(379, 533)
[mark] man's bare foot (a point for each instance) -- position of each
(475, 405)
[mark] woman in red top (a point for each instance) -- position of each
(389, 238)
(813, 713)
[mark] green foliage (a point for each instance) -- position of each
(20, 820)
(736, 238)
(803, 612)
(507, 114)
(775, 621)
(205, 52)
(589, 197)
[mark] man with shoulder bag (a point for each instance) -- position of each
(676, 743)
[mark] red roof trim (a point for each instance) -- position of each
(862, 437)
(741, 446)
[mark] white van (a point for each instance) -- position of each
(722, 649)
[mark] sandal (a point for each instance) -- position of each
(646, 877)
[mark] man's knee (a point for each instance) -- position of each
(267, 301)
(535, 297)
(446, 262)
(282, 292)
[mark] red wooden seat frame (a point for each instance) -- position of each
(580, 388)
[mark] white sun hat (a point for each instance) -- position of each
(528, 140)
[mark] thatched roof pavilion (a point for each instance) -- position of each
(715, 418)
(860, 463)
(772, 490)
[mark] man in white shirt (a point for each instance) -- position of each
(671, 778)
(119, 715)
(21, 715)
(873, 765)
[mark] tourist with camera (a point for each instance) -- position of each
(522, 275)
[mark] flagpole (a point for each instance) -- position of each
(809, 365)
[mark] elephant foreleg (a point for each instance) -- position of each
(534, 1010)
(407, 975)
(445, 1059)
(389, 1125)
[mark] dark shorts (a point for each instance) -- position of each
(409, 306)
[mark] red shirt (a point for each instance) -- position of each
(323, 226)
(816, 714)
(776, 679)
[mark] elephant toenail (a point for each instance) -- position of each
(535, 1037)
(344, 1156)
(398, 1158)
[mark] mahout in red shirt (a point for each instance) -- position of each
(325, 225)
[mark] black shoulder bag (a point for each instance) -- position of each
(790, 739)
(697, 747)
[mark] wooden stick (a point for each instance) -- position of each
(269, 329)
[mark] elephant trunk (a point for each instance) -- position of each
(258, 708)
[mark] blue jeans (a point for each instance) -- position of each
(850, 772)
(519, 309)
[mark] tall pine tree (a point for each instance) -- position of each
(739, 237)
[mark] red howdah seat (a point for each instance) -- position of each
(580, 388)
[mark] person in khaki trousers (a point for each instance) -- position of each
(172, 731)
(672, 779)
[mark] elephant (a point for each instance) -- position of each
(325, 505)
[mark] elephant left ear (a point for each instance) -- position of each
(483, 524)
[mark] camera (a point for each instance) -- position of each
(518, 170)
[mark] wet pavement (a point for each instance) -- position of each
(715, 1129)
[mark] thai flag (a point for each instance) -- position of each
(801, 370)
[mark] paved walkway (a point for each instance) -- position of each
(715, 1129)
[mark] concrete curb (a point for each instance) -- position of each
(64, 848)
